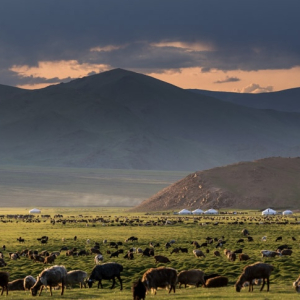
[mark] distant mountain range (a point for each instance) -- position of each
(271, 182)
(125, 120)
(287, 100)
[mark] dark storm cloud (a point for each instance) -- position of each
(246, 35)
(228, 79)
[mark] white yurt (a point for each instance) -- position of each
(269, 211)
(185, 212)
(211, 211)
(287, 212)
(34, 211)
(197, 211)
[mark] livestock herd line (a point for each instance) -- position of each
(58, 277)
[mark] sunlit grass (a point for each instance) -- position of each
(286, 268)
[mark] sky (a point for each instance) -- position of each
(247, 46)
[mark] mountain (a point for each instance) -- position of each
(125, 120)
(286, 100)
(271, 182)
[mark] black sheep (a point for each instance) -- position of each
(106, 271)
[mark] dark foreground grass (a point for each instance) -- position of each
(190, 229)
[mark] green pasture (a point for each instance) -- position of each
(183, 231)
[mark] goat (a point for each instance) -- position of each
(256, 270)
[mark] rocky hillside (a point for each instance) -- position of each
(270, 182)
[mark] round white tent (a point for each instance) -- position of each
(34, 211)
(197, 211)
(269, 211)
(185, 212)
(211, 211)
(287, 212)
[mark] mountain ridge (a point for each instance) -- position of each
(121, 119)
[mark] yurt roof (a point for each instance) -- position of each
(185, 211)
(197, 211)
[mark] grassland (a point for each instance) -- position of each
(190, 229)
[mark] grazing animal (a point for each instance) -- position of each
(286, 252)
(14, 256)
(231, 256)
(206, 277)
(269, 253)
(217, 253)
(16, 285)
(245, 232)
(148, 252)
(106, 271)
(283, 247)
(98, 259)
(243, 256)
(240, 241)
(264, 238)
(75, 277)
(191, 277)
(293, 238)
(139, 290)
(129, 255)
(238, 251)
(250, 238)
(175, 250)
(183, 250)
(278, 239)
(115, 254)
(296, 285)
(198, 253)
(28, 282)
(161, 259)
(49, 259)
(51, 277)
(2, 263)
(4, 277)
(218, 281)
(256, 270)
(160, 278)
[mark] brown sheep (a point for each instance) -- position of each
(191, 277)
(49, 259)
(231, 256)
(243, 256)
(218, 281)
(16, 285)
(256, 270)
(161, 259)
(4, 277)
(160, 277)
(217, 253)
